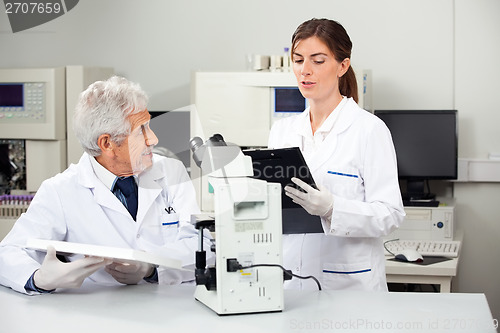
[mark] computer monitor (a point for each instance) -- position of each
(426, 144)
(288, 100)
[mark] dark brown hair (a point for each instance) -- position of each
(337, 40)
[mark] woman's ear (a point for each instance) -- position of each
(344, 67)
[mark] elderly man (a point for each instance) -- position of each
(119, 194)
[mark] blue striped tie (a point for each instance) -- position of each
(125, 189)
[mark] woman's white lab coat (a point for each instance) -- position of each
(356, 162)
(76, 206)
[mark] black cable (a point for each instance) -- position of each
(385, 247)
(287, 272)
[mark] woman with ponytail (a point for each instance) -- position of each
(352, 159)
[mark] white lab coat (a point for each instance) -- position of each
(76, 206)
(356, 162)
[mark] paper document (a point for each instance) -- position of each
(120, 254)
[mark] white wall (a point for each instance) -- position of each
(477, 28)
(423, 54)
(158, 43)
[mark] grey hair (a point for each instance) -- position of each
(103, 109)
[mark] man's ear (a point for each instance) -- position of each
(104, 142)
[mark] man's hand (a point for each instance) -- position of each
(57, 274)
(130, 272)
(315, 202)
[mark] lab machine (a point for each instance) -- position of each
(247, 276)
(36, 106)
(32, 108)
(36, 132)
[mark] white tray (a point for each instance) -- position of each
(120, 254)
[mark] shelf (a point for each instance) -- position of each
(478, 170)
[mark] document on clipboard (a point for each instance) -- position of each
(279, 166)
(117, 254)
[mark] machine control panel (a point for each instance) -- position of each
(22, 102)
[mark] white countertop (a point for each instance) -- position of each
(151, 308)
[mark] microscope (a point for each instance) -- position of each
(247, 276)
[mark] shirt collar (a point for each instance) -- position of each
(305, 128)
(332, 118)
(103, 174)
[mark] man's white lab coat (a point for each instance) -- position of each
(75, 206)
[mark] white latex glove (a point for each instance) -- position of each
(129, 272)
(315, 202)
(55, 274)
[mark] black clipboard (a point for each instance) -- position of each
(279, 166)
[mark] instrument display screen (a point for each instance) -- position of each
(11, 95)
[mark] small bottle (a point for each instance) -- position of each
(286, 59)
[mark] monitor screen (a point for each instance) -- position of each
(11, 95)
(288, 99)
(426, 142)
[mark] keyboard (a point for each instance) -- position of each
(436, 248)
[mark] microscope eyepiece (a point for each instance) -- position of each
(216, 140)
(195, 143)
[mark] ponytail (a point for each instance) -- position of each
(348, 85)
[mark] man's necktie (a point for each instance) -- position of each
(126, 190)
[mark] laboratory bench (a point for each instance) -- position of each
(440, 273)
(154, 308)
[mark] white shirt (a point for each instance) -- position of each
(104, 175)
